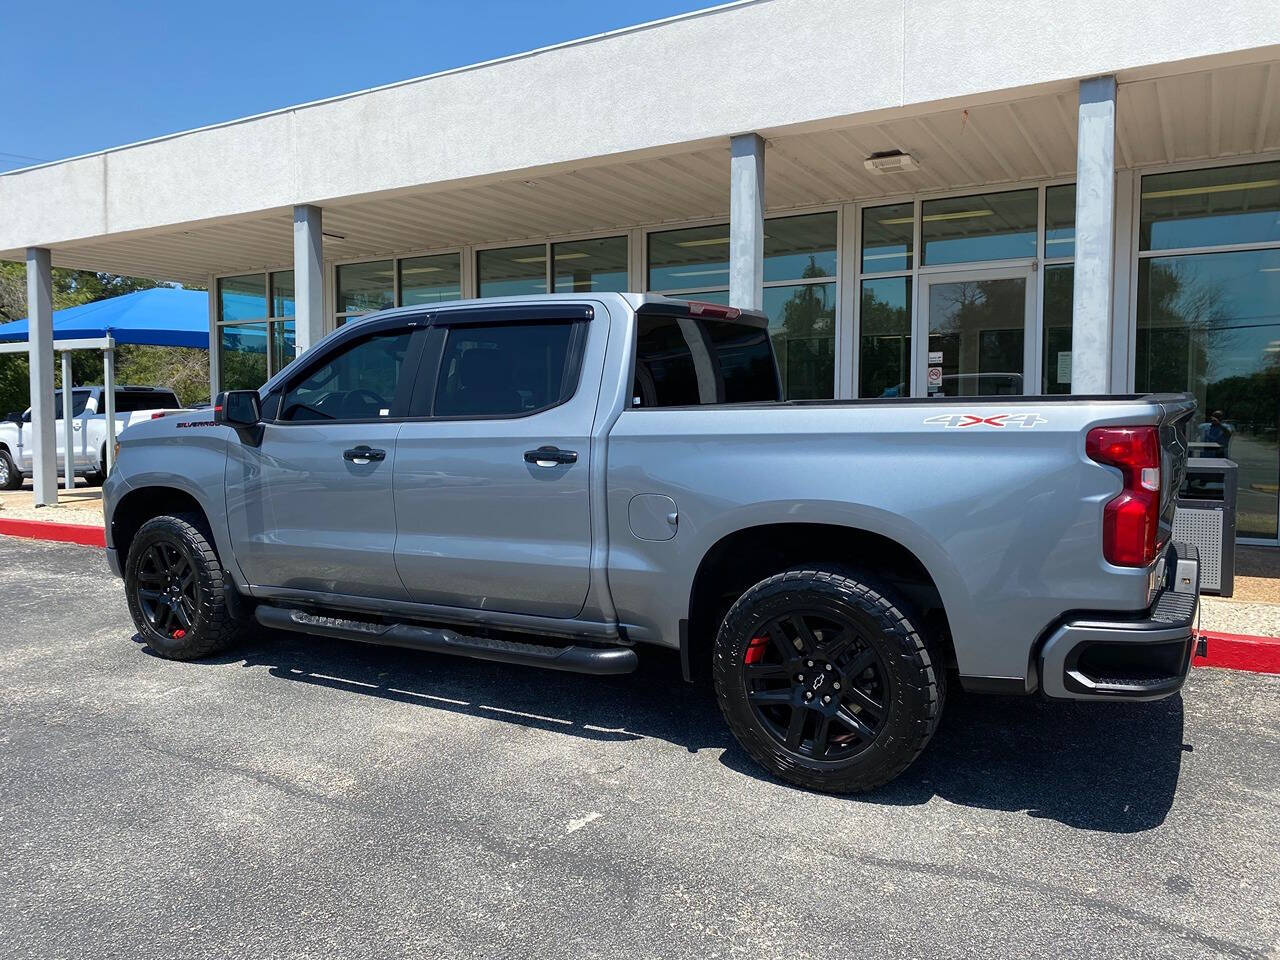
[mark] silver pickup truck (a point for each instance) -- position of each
(564, 481)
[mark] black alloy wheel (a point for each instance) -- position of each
(816, 685)
(167, 589)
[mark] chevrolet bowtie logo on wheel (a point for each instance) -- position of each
(999, 420)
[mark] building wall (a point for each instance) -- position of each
(749, 66)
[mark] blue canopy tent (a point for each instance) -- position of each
(161, 316)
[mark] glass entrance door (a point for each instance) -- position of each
(980, 333)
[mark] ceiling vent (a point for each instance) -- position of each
(891, 161)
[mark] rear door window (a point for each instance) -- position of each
(505, 369)
(691, 361)
(131, 401)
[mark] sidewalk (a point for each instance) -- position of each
(1255, 607)
(80, 506)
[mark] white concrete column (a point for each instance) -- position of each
(308, 276)
(44, 450)
(68, 426)
(1091, 339)
(746, 221)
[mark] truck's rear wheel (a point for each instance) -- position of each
(179, 596)
(827, 682)
(10, 475)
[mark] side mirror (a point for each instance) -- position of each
(241, 409)
(238, 408)
(13, 416)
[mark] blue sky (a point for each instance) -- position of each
(86, 74)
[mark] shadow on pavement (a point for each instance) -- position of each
(1107, 767)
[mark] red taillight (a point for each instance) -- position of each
(1131, 519)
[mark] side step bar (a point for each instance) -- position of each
(598, 661)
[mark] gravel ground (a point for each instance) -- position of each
(311, 798)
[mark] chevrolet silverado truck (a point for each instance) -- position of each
(89, 430)
(567, 481)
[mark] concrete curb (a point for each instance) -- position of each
(83, 534)
(1234, 651)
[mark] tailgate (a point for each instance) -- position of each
(1175, 424)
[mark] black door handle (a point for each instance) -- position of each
(548, 455)
(363, 454)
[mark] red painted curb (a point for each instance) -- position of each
(80, 533)
(1236, 651)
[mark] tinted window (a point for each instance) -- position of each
(130, 401)
(684, 361)
(359, 383)
(79, 399)
(504, 369)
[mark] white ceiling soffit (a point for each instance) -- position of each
(1205, 115)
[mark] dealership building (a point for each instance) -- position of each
(926, 198)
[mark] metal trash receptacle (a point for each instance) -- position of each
(1206, 519)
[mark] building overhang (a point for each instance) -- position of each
(632, 128)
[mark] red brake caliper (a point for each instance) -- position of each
(756, 649)
(179, 634)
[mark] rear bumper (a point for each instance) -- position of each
(1099, 658)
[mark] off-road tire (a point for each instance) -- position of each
(915, 681)
(215, 626)
(13, 476)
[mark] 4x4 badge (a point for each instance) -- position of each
(999, 420)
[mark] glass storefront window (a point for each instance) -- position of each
(242, 355)
(802, 324)
(1060, 221)
(1210, 324)
(800, 247)
(242, 298)
(365, 287)
(988, 226)
(430, 279)
(693, 259)
(282, 294)
(590, 266)
(887, 237)
(1059, 291)
(885, 349)
(512, 271)
(283, 344)
(1202, 208)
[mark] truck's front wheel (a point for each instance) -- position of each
(826, 681)
(179, 596)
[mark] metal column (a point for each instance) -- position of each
(40, 353)
(68, 426)
(308, 276)
(1095, 237)
(746, 221)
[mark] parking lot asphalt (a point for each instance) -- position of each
(314, 798)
